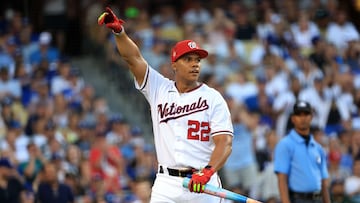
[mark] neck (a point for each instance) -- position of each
(2, 177)
(3, 183)
(54, 184)
(303, 132)
(182, 88)
(333, 167)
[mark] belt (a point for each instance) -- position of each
(306, 195)
(184, 172)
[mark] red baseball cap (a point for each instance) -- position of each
(184, 47)
(335, 156)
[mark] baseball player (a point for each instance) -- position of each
(191, 121)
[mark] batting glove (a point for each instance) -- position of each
(198, 180)
(110, 20)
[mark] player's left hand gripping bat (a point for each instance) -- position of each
(223, 193)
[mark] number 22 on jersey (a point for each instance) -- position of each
(198, 130)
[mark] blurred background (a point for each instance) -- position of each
(71, 116)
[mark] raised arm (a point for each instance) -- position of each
(128, 50)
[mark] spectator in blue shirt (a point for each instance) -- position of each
(300, 162)
(45, 51)
(241, 170)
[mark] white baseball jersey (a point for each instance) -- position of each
(184, 123)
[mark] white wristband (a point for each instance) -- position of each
(118, 33)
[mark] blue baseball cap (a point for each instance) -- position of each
(56, 157)
(14, 124)
(4, 162)
(136, 130)
(11, 41)
(50, 125)
(86, 124)
(75, 72)
(7, 101)
(117, 118)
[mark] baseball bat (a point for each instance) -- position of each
(222, 193)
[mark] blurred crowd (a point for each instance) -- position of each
(61, 142)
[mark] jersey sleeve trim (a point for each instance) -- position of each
(146, 78)
(222, 132)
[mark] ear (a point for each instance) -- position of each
(173, 66)
(292, 118)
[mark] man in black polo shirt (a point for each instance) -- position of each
(50, 189)
(11, 189)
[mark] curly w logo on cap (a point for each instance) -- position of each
(187, 46)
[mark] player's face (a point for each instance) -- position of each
(302, 121)
(187, 68)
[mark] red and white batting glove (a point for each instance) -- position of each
(110, 20)
(199, 179)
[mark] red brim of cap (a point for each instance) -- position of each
(201, 52)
